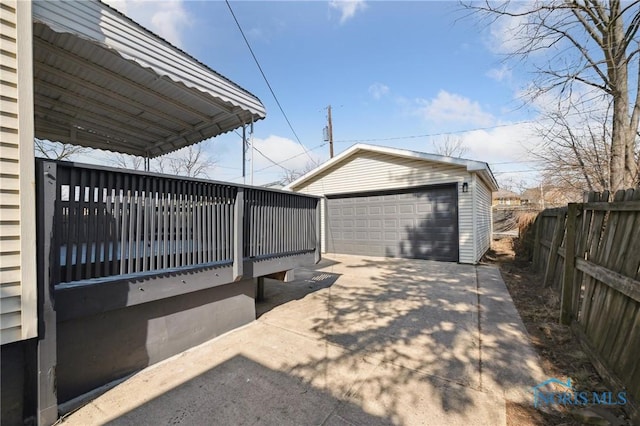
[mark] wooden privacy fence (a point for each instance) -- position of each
(590, 253)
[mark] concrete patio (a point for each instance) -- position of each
(356, 340)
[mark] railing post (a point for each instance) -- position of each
(238, 235)
(46, 358)
(566, 304)
(318, 251)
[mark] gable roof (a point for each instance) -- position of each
(479, 167)
(102, 80)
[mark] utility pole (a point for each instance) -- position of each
(330, 127)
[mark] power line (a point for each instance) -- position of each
(285, 160)
(433, 134)
(261, 153)
(269, 159)
(525, 171)
(292, 157)
(266, 80)
(454, 132)
(516, 162)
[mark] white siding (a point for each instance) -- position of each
(483, 218)
(18, 288)
(372, 171)
(465, 222)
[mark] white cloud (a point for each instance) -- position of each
(514, 32)
(347, 8)
(501, 144)
(166, 18)
(508, 150)
(450, 107)
(504, 36)
(280, 150)
(378, 90)
(119, 5)
(500, 74)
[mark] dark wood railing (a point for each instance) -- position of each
(111, 222)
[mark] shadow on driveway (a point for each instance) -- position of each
(242, 391)
(424, 321)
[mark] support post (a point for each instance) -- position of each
(260, 290)
(252, 149)
(46, 357)
(566, 304)
(244, 153)
(318, 252)
(238, 235)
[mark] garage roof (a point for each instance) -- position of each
(103, 81)
(479, 167)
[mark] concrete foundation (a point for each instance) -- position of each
(97, 349)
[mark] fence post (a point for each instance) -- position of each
(566, 308)
(46, 349)
(238, 235)
(556, 242)
(536, 242)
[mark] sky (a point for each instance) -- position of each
(398, 74)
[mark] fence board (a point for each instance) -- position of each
(604, 284)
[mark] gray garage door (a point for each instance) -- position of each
(418, 223)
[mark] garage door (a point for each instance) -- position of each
(418, 223)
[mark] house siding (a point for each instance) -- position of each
(483, 221)
(18, 289)
(372, 171)
(465, 221)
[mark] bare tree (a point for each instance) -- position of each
(191, 161)
(590, 45)
(576, 150)
(289, 176)
(510, 183)
(57, 150)
(126, 161)
(450, 146)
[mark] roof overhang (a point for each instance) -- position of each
(472, 166)
(103, 81)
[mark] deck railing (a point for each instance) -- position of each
(113, 222)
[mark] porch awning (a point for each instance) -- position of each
(103, 81)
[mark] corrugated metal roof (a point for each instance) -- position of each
(469, 165)
(103, 81)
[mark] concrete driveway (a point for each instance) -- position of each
(356, 340)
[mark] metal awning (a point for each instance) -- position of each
(103, 81)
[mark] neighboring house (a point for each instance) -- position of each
(547, 196)
(503, 197)
(382, 201)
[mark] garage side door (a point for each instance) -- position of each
(418, 224)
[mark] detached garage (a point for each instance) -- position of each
(381, 201)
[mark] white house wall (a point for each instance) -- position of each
(483, 225)
(465, 221)
(18, 289)
(370, 171)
